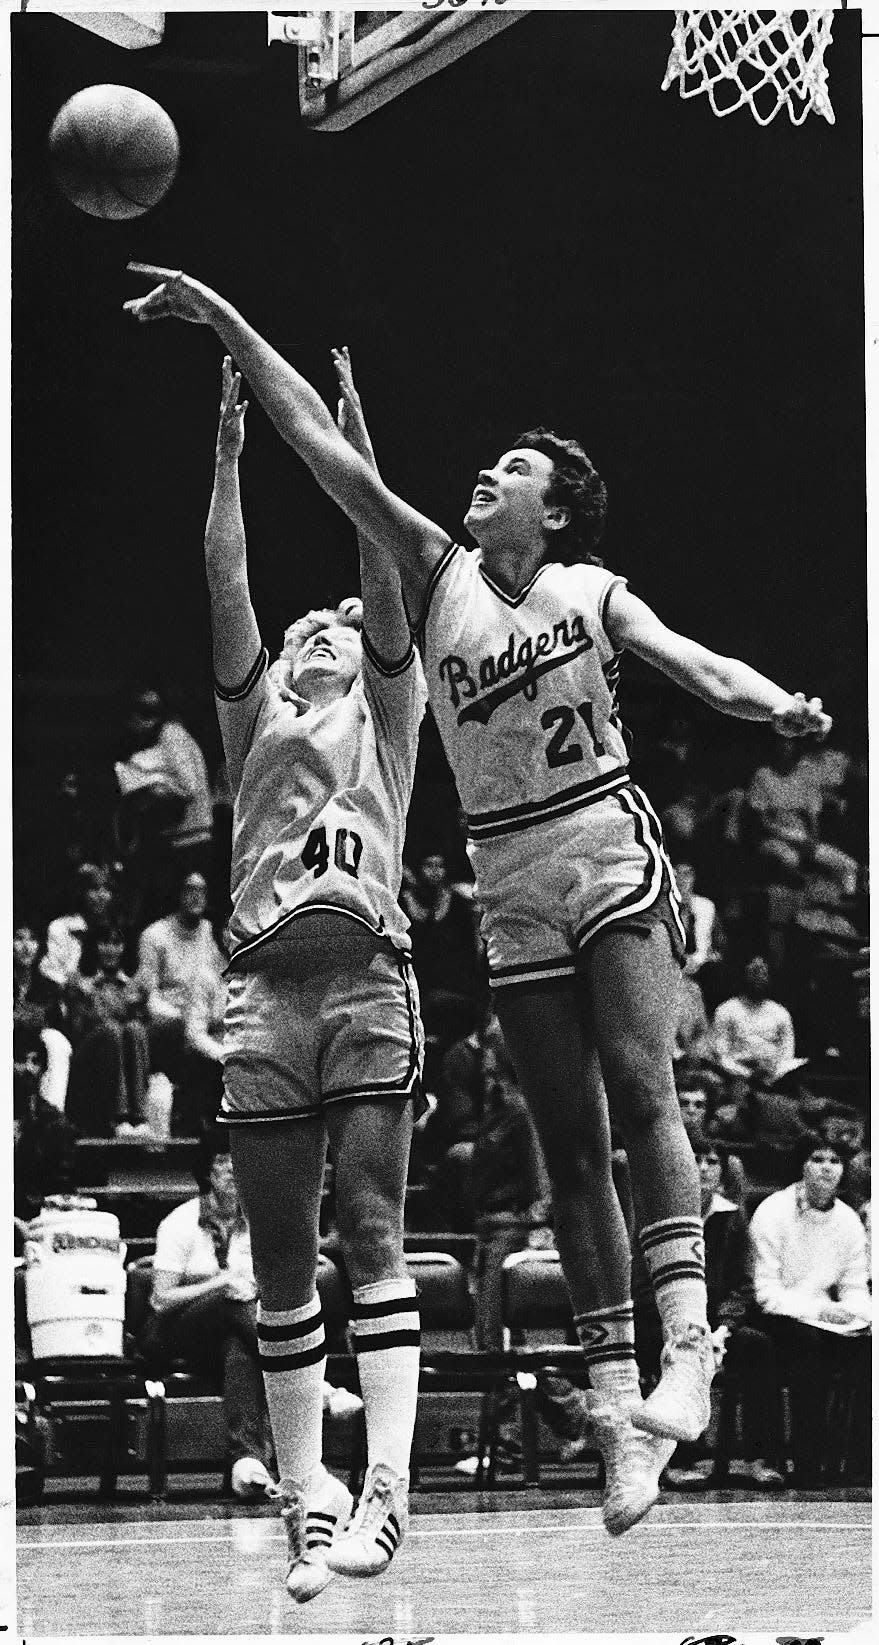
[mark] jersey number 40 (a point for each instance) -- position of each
(347, 851)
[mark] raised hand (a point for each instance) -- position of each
(230, 431)
(350, 418)
(802, 718)
(177, 297)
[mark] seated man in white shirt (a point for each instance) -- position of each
(203, 1308)
(173, 954)
(811, 1286)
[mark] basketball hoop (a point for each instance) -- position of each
(768, 60)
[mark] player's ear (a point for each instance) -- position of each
(556, 516)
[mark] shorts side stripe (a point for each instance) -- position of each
(651, 885)
(533, 971)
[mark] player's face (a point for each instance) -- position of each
(509, 501)
(328, 662)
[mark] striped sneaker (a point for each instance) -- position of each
(378, 1526)
(680, 1405)
(633, 1462)
(311, 1525)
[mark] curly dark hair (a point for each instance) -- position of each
(575, 485)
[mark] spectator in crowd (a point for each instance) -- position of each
(43, 1140)
(783, 809)
(704, 940)
(746, 1351)
(165, 810)
(174, 953)
(811, 1285)
(53, 839)
(109, 1071)
(512, 1205)
(203, 1308)
(701, 1102)
(445, 950)
(92, 903)
(202, 1053)
(753, 1034)
(38, 1003)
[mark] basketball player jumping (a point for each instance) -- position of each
(322, 1033)
(521, 644)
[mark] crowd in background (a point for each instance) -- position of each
(118, 999)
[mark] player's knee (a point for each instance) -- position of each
(371, 1232)
(639, 1090)
(573, 1170)
(285, 1267)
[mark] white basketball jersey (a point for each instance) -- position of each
(321, 800)
(523, 689)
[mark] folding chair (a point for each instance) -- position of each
(449, 1361)
(539, 1336)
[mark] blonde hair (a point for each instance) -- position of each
(347, 614)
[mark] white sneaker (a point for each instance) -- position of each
(633, 1462)
(311, 1526)
(340, 1403)
(250, 1478)
(378, 1526)
(680, 1405)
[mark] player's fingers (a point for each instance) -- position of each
(154, 271)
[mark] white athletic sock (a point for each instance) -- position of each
(386, 1333)
(292, 1356)
(674, 1251)
(607, 1337)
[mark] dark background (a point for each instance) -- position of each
(535, 234)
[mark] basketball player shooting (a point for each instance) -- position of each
(521, 643)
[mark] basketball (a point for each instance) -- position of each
(114, 151)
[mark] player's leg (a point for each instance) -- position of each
(546, 1032)
(633, 982)
(279, 1172)
(370, 1143)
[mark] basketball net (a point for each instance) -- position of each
(768, 60)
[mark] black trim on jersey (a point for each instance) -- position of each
(514, 599)
(250, 943)
(236, 693)
(379, 663)
(617, 582)
(437, 572)
(487, 825)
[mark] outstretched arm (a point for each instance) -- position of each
(302, 419)
(233, 623)
(730, 686)
(384, 614)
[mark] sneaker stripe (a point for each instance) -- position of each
(386, 1543)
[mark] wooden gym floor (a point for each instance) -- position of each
(535, 1562)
